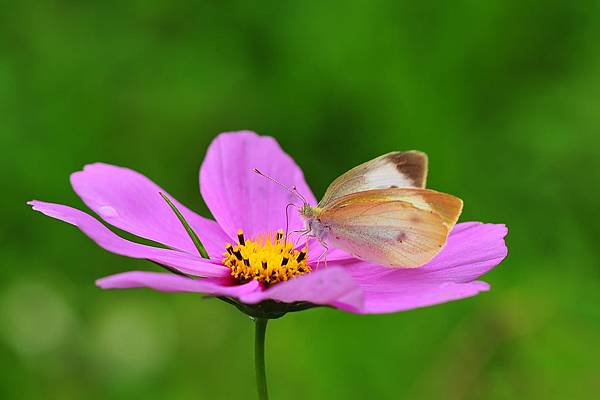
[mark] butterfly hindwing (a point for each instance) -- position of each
(392, 170)
(391, 227)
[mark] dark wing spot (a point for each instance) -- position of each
(413, 164)
(393, 187)
(401, 237)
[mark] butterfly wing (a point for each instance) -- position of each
(392, 170)
(391, 227)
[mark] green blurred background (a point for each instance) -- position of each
(503, 95)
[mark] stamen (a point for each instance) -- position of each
(302, 255)
(264, 264)
(279, 235)
(229, 248)
(284, 261)
(237, 253)
(240, 235)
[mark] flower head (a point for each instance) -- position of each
(268, 259)
(250, 262)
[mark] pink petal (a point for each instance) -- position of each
(406, 296)
(472, 249)
(316, 250)
(106, 239)
(130, 201)
(328, 286)
(167, 282)
(239, 198)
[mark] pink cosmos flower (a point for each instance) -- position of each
(248, 268)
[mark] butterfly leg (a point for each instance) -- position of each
(302, 232)
(323, 254)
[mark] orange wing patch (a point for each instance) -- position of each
(392, 227)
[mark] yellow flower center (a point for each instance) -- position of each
(268, 259)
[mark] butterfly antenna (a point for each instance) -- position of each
(293, 189)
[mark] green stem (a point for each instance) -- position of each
(259, 357)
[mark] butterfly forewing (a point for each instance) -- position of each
(393, 170)
(391, 227)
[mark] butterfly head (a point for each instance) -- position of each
(309, 212)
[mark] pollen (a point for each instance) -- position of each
(268, 259)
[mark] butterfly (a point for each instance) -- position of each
(381, 212)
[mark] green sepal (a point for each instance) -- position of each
(187, 227)
(268, 309)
